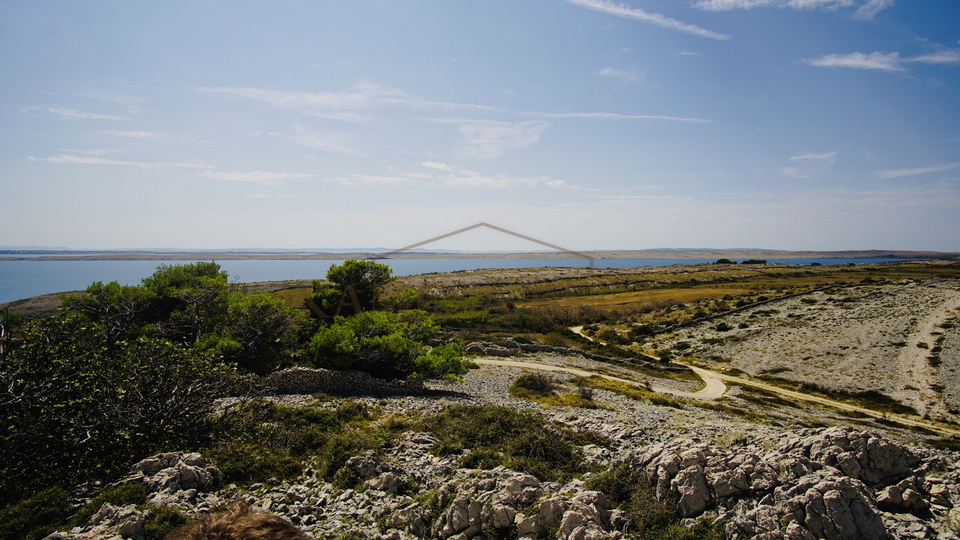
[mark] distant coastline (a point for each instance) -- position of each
(53, 255)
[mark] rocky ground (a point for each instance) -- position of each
(762, 481)
(875, 337)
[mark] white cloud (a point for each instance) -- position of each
(500, 181)
(939, 57)
(259, 177)
(328, 141)
(809, 165)
(341, 105)
(373, 180)
(625, 11)
(76, 115)
(488, 139)
(617, 116)
(151, 136)
(872, 7)
(881, 61)
(867, 9)
(102, 152)
(728, 5)
(858, 60)
(87, 160)
(897, 173)
(625, 75)
(135, 134)
(827, 156)
(438, 166)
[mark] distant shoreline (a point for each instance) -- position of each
(282, 256)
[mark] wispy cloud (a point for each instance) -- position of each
(939, 57)
(487, 139)
(343, 104)
(858, 60)
(259, 177)
(373, 180)
(499, 181)
(75, 114)
(130, 102)
(617, 116)
(826, 156)
(881, 61)
(898, 173)
(152, 136)
(872, 7)
(89, 160)
(100, 152)
(809, 165)
(627, 12)
(632, 75)
(867, 9)
(135, 134)
(328, 141)
(438, 166)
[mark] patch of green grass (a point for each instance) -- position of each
(504, 436)
(634, 392)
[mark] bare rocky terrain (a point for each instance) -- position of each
(875, 337)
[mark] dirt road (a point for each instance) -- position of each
(714, 386)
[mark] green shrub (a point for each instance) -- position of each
(504, 436)
(35, 517)
(533, 384)
(120, 496)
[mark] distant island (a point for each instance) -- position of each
(659, 253)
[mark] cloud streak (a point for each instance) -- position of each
(629, 76)
(866, 11)
(899, 173)
(341, 105)
(617, 116)
(259, 177)
(75, 114)
(627, 12)
(90, 160)
(881, 61)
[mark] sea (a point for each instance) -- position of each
(25, 279)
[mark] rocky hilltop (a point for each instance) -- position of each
(753, 480)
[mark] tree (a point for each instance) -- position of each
(70, 412)
(367, 279)
(387, 346)
(117, 310)
(188, 298)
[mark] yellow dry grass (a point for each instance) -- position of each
(294, 297)
(620, 301)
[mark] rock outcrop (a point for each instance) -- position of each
(832, 484)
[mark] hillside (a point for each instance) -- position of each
(838, 416)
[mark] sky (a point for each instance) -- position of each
(590, 124)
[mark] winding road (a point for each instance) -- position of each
(715, 388)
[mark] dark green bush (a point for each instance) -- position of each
(537, 384)
(35, 517)
(503, 436)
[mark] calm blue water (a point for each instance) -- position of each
(23, 279)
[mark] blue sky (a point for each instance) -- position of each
(592, 124)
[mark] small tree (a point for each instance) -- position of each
(367, 279)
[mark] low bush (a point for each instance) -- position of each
(495, 436)
(533, 384)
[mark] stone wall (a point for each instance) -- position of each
(299, 380)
